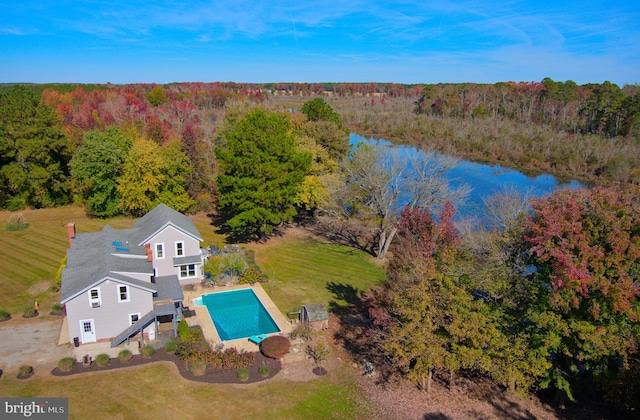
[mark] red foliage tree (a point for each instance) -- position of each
(586, 310)
(590, 241)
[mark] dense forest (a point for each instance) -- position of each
(548, 296)
(588, 132)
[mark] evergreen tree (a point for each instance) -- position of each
(34, 154)
(318, 110)
(262, 172)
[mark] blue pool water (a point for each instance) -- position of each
(238, 314)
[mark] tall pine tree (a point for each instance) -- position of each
(34, 154)
(262, 172)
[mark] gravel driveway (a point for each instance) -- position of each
(31, 342)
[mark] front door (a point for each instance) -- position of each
(88, 331)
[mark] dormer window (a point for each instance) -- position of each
(159, 251)
(94, 297)
(179, 249)
(123, 294)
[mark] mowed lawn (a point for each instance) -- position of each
(157, 391)
(30, 258)
(308, 270)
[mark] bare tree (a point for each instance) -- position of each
(506, 207)
(497, 245)
(378, 181)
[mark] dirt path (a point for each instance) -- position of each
(31, 342)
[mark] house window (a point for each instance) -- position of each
(179, 249)
(188, 270)
(159, 251)
(94, 297)
(123, 294)
(133, 318)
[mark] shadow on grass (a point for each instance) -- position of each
(342, 233)
(244, 235)
(341, 291)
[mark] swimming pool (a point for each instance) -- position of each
(238, 314)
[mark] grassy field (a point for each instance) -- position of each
(311, 271)
(301, 270)
(30, 258)
(158, 392)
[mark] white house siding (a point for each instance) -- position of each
(112, 317)
(169, 236)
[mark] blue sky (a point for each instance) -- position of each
(119, 41)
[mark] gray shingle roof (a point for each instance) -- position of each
(160, 217)
(169, 288)
(316, 311)
(190, 259)
(110, 254)
(97, 256)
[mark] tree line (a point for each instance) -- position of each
(603, 109)
(589, 132)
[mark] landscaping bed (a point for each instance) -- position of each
(214, 376)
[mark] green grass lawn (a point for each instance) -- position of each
(311, 271)
(30, 258)
(158, 392)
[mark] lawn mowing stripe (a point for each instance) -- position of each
(26, 272)
(27, 251)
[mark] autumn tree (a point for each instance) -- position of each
(157, 96)
(152, 175)
(34, 154)
(176, 169)
(498, 263)
(95, 167)
(262, 170)
(586, 309)
(201, 183)
(313, 190)
(436, 322)
(330, 136)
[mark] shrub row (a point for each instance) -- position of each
(103, 360)
(200, 352)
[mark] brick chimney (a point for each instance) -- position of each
(71, 232)
(149, 255)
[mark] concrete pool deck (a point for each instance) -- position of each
(203, 319)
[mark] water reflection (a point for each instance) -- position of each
(484, 180)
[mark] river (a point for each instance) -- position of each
(484, 180)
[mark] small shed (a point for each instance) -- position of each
(315, 316)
